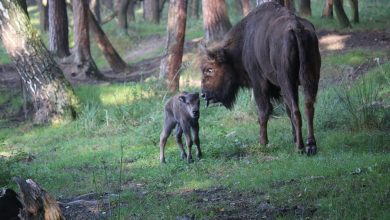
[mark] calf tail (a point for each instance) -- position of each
(309, 61)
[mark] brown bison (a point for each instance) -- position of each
(272, 51)
(182, 112)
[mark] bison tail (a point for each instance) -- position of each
(309, 62)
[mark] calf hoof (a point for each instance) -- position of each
(311, 150)
(199, 155)
(190, 160)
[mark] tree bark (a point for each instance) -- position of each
(151, 11)
(94, 5)
(85, 64)
(52, 96)
(122, 14)
(215, 20)
(305, 8)
(289, 4)
(195, 9)
(246, 7)
(355, 10)
(171, 63)
(43, 14)
(131, 11)
(58, 28)
(327, 12)
(116, 62)
(340, 13)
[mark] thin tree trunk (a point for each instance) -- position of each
(94, 5)
(58, 28)
(43, 14)
(215, 20)
(289, 4)
(355, 10)
(195, 9)
(51, 94)
(340, 13)
(327, 12)
(246, 7)
(151, 11)
(83, 58)
(305, 8)
(131, 11)
(171, 63)
(122, 14)
(109, 52)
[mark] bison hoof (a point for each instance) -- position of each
(183, 155)
(190, 160)
(311, 150)
(162, 161)
(199, 155)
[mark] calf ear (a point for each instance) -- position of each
(203, 48)
(182, 98)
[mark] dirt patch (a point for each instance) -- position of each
(226, 204)
(331, 41)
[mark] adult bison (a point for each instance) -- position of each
(272, 51)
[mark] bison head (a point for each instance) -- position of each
(191, 103)
(219, 83)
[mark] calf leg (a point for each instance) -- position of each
(168, 126)
(179, 132)
(196, 140)
(187, 134)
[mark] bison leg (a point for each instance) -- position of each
(187, 134)
(311, 147)
(196, 140)
(290, 94)
(265, 108)
(168, 126)
(179, 132)
(288, 111)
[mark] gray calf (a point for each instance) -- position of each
(182, 111)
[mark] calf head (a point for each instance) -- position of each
(218, 77)
(191, 104)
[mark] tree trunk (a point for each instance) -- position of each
(355, 10)
(289, 4)
(340, 13)
(109, 52)
(122, 14)
(109, 4)
(151, 11)
(195, 9)
(327, 12)
(94, 5)
(86, 66)
(246, 7)
(58, 28)
(131, 11)
(43, 14)
(52, 96)
(305, 8)
(170, 65)
(215, 20)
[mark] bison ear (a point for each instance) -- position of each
(182, 98)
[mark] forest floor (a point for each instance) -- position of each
(243, 205)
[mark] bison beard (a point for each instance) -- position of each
(272, 51)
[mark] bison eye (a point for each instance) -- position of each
(209, 72)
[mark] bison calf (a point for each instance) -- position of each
(182, 111)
